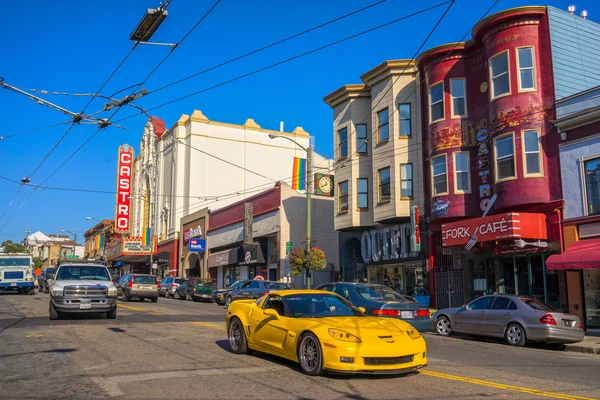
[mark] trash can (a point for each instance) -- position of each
(423, 299)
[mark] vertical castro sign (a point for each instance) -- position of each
(124, 181)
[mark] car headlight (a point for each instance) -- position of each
(112, 292)
(57, 291)
(343, 336)
(412, 332)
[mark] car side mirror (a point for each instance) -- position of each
(362, 310)
(272, 313)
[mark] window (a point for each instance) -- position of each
(436, 102)
(526, 68)
(512, 306)
(592, 185)
(362, 185)
(501, 303)
(462, 175)
(406, 180)
(458, 92)
(405, 128)
(439, 177)
(505, 157)
(383, 125)
(343, 197)
(499, 75)
(384, 184)
(482, 303)
(343, 142)
(361, 138)
(253, 285)
(531, 150)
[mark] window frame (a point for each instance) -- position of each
(339, 196)
(366, 151)
(491, 77)
(456, 190)
(533, 68)
(409, 119)
(387, 123)
(340, 144)
(433, 194)
(442, 101)
(539, 152)
(452, 97)
(379, 201)
(358, 193)
(412, 187)
(584, 185)
(496, 179)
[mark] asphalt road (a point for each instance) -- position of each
(177, 350)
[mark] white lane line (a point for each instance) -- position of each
(110, 385)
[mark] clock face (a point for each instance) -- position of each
(325, 184)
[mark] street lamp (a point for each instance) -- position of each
(74, 238)
(308, 197)
(103, 233)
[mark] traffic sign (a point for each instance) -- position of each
(72, 256)
(289, 246)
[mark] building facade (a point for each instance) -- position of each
(193, 263)
(96, 239)
(378, 163)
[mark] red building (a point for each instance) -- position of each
(489, 144)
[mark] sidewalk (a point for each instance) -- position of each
(590, 344)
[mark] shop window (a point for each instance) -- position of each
(406, 180)
(591, 289)
(361, 138)
(343, 197)
(531, 153)
(436, 102)
(500, 75)
(343, 143)
(362, 193)
(405, 126)
(592, 185)
(526, 75)
(439, 175)
(462, 173)
(384, 184)
(504, 153)
(383, 125)
(458, 92)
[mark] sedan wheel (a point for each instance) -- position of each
(310, 355)
(443, 326)
(515, 336)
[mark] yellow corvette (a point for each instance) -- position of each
(324, 332)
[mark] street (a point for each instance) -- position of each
(178, 349)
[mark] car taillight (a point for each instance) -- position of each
(580, 325)
(548, 319)
(386, 312)
(194, 290)
(131, 282)
(265, 293)
(158, 285)
(175, 284)
(421, 313)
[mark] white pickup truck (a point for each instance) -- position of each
(82, 288)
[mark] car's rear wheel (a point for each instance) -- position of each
(176, 295)
(124, 298)
(54, 315)
(310, 355)
(237, 337)
(167, 293)
(515, 335)
(443, 326)
(112, 314)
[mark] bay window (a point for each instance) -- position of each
(499, 75)
(504, 153)
(439, 175)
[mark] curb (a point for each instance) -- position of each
(583, 349)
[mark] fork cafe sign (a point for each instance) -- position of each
(495, 227)
(124, 180)
(392, 242)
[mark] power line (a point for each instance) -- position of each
(34, 130)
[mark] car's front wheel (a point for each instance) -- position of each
(443, 326)
(112, 314)
(310, 355)
(237, 337)
(54, 315)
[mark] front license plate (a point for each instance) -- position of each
(406, 314)
(13, 284)
(85, 305)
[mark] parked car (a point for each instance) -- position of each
(256, 288)
(184, 290)
(45, 280)
(141, 286)
(195, 289)
(221, 296)
(382, 301)
(516, 319)
(169, 284)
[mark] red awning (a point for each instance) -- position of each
(581, 254)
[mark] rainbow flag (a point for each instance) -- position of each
(147, 237)
(298, 174)
(99, 242)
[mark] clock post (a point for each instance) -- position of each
(308, 210)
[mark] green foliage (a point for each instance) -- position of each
(11, 247)
(300, 260)
(37, 263)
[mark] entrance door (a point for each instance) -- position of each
(575, 293)
(508, 275)
(591, 287)
(522, 275)
(537, 276)
(449, 287)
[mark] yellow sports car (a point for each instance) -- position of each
(324, 332)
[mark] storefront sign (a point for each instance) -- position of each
(124, 178)
(390, 243)
(134, 246)
(495, 227)
(512, 249)
(197, 245)
(192, 233)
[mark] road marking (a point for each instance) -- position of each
(221, 328)
(35, 335)
(137, 309)
(503, 386)
(110, 385)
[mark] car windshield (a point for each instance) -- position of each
(380, 294)
(320, 306)
(145, 280)
(179, 281)
(80, 273)
(237, 284)
(207, 284)
(538, 305)
(276, 286)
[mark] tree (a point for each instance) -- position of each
(300, 260)
(10, 247)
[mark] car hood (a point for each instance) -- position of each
(85, 282)
(365, 327)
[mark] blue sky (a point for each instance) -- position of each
(72, 46)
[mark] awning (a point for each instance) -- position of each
(580, 255)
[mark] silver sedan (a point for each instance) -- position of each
(516, 319)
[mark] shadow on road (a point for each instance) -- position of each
(59, 351)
